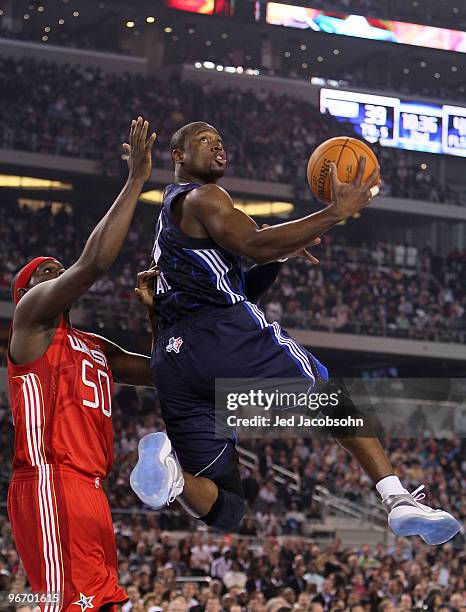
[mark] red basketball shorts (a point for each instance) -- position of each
(63, 530)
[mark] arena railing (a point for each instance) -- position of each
(339, 505)
(280, 474)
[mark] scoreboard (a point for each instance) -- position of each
(399, 123)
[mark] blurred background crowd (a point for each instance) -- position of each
(380, 288)
(266, 136)
(167, 563)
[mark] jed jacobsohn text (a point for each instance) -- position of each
(296, 420)
(280, 400)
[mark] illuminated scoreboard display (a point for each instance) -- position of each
(393, 122)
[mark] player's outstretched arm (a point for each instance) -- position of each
(127, 368)
(229, 227)
(47, 300)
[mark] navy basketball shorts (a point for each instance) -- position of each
(232, 342)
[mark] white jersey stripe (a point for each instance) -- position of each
(30, 424)
(215, 263)
(34, 408)
(45, 534)
(47, 495)
(223, 265)
(28, 421)
(295, 351)
(46, 527)
(32, 419)
(219, 275)
(53, 528)
(294, 347)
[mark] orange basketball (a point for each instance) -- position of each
(345, 152)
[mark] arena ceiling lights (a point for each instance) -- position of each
(154, 196)
(13, 181)
(255, 208)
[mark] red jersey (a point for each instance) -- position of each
(62, 405)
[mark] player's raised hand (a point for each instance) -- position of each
(302, 252)
(144, 289)
(350, 198)
(139, 150)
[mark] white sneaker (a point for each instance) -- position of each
(408, 517)
(157, 478)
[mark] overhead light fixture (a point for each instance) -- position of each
(29, 182)
(257, 208)
(150, 19)
(76, 14)
(130, 24)
(154, 196)
(168, 30)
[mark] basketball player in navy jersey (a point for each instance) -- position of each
(210, 328)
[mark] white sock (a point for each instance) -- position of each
(390, 485)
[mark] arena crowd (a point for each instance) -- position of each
(266, 136)
(166, 564)
(380, 288)
(187, 46)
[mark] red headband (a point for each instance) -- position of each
(24, 275)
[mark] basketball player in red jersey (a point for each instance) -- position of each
(60, 388)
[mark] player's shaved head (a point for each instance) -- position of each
(179, 137)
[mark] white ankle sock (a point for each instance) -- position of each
(390, 485)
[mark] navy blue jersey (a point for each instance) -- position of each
(195, 272)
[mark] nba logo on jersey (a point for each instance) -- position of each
(174, 344)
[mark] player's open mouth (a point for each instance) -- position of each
(221, 160)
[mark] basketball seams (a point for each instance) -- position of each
(357, 148)
(310, 171)
(363, 151)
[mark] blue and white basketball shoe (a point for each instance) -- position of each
(157, 478)
(408, 517)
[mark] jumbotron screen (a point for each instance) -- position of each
(365, 27)
(205, 7)
(417, 126)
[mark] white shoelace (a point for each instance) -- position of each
(176, 484)
(173, 495)
(417, 495)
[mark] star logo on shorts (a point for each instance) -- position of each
(84, 602)
(174, 344)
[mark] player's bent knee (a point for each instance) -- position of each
(227, 512)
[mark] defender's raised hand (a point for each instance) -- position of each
(139, 150)
(144, 289)
(350, 198)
